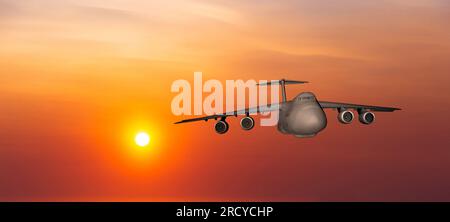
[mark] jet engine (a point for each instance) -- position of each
(221, 127)
(247, 123)
(366, 117)
(346, 116)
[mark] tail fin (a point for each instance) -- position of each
(282, 82)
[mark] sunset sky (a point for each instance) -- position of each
(79, 79)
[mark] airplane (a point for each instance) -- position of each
(302, 116)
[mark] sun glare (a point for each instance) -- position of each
(142, 139)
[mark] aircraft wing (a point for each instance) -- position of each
(258, 109)
(336, 105)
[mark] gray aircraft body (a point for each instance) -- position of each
(302, 116)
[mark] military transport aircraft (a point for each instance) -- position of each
(302, 116)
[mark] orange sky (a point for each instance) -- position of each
(79, 78)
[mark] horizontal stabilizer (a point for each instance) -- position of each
(278, 82)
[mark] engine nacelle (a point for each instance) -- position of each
(366, 117)
(247, 123)
(221, 127)
(346, 117)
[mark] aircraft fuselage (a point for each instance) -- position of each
(302, 117)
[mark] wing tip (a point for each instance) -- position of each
(392, 109)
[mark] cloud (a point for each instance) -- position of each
(8, 8)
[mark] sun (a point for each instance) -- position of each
(142, 139)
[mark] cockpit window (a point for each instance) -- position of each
(305, 98)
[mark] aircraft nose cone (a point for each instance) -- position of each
(308, 120)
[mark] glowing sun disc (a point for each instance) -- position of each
(142, 139)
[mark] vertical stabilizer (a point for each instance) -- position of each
(283, 83)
